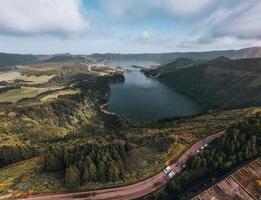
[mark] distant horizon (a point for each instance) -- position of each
(214, 50)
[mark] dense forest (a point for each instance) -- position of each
(241, 142)
(11, 154)
(40, 124)
(88, 162)
(205, 82)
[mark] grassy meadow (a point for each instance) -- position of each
(16, 76)
(15, 95)
(56, 95)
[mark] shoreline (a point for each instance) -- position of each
(105, 111)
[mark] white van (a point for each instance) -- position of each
(171, 174)
(167, 169)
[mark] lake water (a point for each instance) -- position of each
(141, 98)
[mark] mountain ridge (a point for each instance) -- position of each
(205, 82)
(251, 52)
(7, 59)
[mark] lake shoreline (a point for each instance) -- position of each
(143, 98)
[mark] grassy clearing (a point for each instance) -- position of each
(174, 152)
(18, 77)
(15, 95)
(35, 79)
(27, 177)
(9, 76)
(56, 95)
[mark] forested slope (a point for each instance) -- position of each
(251, 52)
(241, 143)
(16, 59)
(220, 83)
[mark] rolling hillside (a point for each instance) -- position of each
(20, 59)
(7, 59)
(220, 83)
(16, 59)
(252, 52)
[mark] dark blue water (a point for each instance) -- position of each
(141, 98)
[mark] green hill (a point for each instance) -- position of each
(171, 67)
(16, 59)
(220, 83)
(252, 52)
(64, 58)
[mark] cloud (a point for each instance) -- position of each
(149, 40)
(183, 7)
(246, 24)
(136, 9)
(208, 42)
(42, 17)
(128, 25)
(237, 18)
(147, 37)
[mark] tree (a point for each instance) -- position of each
(72, 177)
(52, 163)
(93, 171)
(169, 188)
(101, 171)
(227, 165)
(113, 173)
(253, 144)
(122, 151)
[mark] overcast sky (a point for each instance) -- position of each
(128, 26)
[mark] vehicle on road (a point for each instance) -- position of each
(171, 174)
(202, 147)
(167, 170)
(205, 145)
(197, 151)
(139, 189)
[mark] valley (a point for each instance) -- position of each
(130, 100)
(56, 135)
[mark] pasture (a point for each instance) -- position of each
(15, 95)
(15, 76)
(56, 95)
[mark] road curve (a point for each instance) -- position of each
(136, 190)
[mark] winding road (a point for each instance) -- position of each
(136, 190)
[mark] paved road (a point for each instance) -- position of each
(138, 189)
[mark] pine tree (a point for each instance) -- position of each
(93, 171)
(52, 163)
(72, 177)
(101, 171)
(113, 173)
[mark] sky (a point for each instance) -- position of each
(128, 26)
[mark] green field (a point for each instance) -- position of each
(15, 95)
(55, 95)
(17, 76)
